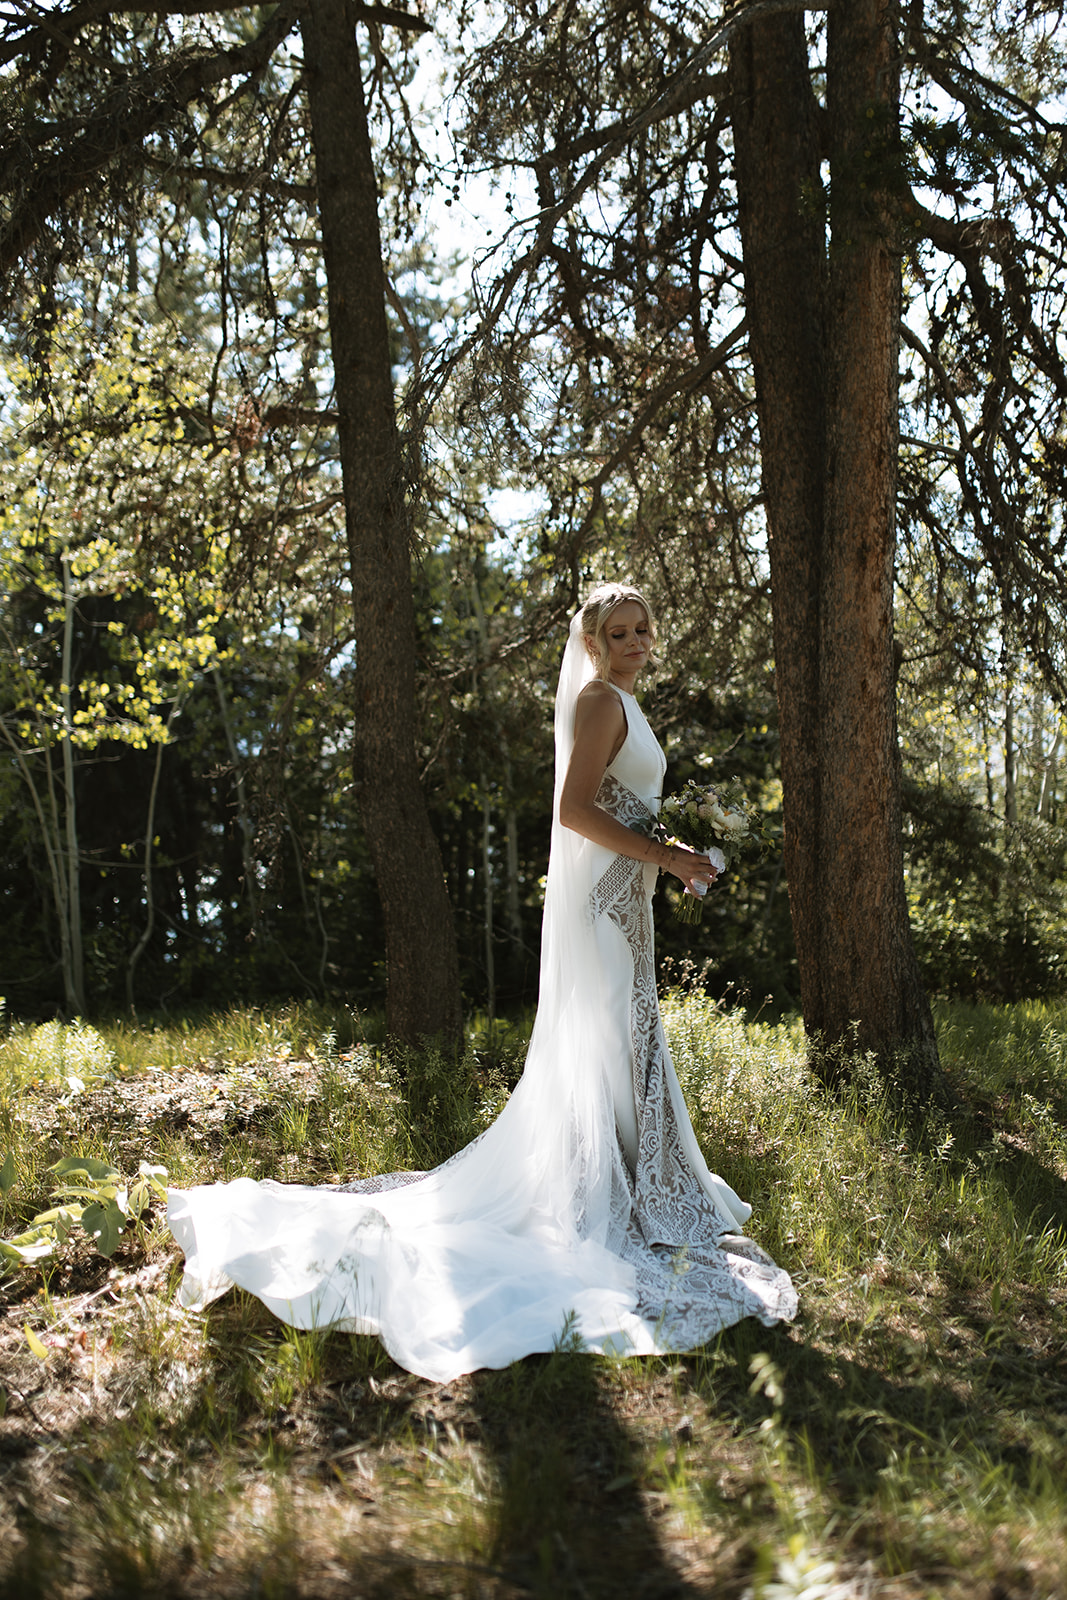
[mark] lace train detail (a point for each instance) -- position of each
(588, 1198)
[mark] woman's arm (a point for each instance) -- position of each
(599, 732)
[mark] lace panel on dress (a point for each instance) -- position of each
(676, 1233)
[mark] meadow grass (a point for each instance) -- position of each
(906, 1437)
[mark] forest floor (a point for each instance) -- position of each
(905, 1437)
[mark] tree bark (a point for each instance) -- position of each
(423, 999)
(1011, 806)
(779, 202)
(71, 938)
(824, 311)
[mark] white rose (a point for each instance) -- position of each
(736, 821)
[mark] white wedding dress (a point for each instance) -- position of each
(588, 1199)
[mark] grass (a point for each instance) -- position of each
(906, 1437)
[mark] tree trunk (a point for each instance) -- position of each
(779, 201)
(511, 858)
(867, 939)
(488, 908)
(1011, 805)
(71, 944)
(824, 330)
(149, 853)
(422, 965)
(245, 826)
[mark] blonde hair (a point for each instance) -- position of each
(596, 613)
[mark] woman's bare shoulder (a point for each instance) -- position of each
(600, 707)
(596, 689)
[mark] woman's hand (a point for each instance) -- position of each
(692, 867)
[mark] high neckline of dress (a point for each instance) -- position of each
(619, 690)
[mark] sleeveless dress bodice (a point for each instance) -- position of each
(640, 763)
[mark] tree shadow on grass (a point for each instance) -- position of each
(872, 1415)
(567, 1498)
(1035, 1189)
(573, 1519)
(310, 1467)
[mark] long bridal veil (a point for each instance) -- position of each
(540, 1219)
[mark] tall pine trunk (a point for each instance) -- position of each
(824, 323)
(777, 155)
(423, 997)
(71, 945)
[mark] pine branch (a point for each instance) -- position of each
(664, 104)
(243, 181)
(137, 108)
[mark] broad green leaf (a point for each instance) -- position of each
(91, 1166)
(52, 1217)
(79, 1191)
(104, 1225)
(65, 1220)
(33, 1245)
(7, 1173)
(24, 1255)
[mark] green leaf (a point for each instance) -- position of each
(91, 1166)
(104, 1225)
(58, 1214)
(97, 1193)
(19, 1256)
(7, 1173)
(33, 1245)
(65, 1220)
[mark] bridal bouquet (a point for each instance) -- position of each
(715, 819)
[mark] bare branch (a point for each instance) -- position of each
(688, 380)
(390, 17)
(63, 26)
(702, 87)
(994, 237)
(219, 178)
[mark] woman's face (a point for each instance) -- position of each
(628, 639)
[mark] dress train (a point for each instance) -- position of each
(587, 1204)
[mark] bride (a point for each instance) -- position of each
(588, 1199)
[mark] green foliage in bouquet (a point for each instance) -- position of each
(712, 817)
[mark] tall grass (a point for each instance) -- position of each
(906, 1437)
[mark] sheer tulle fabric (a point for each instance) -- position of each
(588, 1198)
